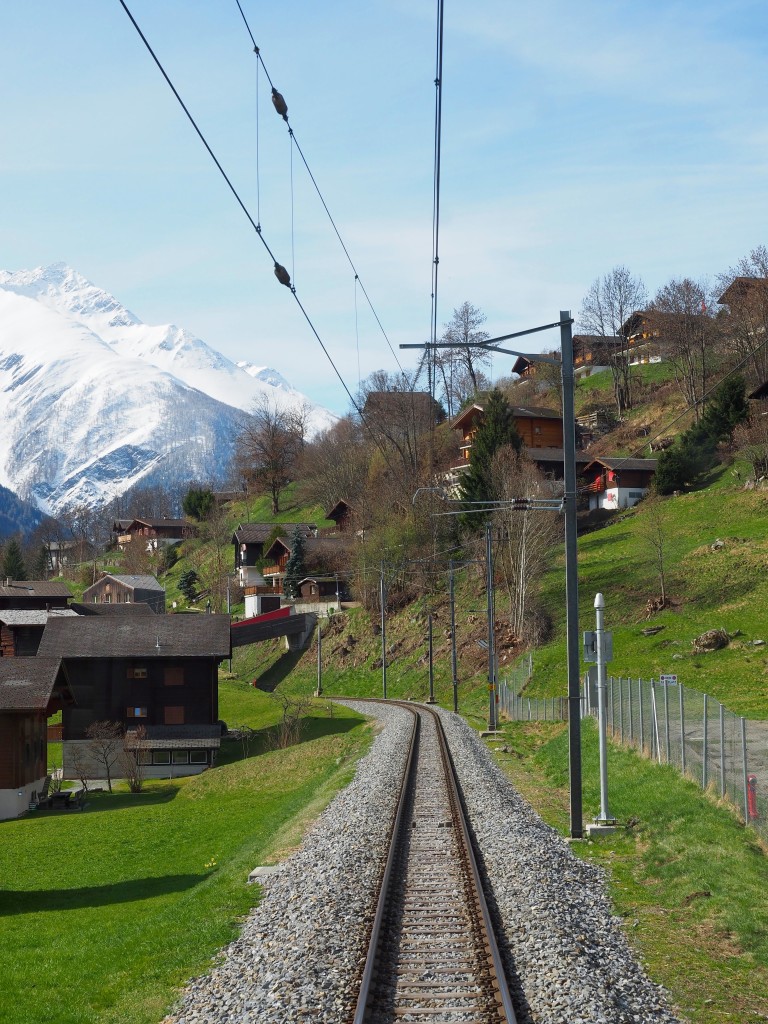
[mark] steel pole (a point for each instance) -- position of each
(431, 664)
(454, 673)
(383, 635)
(319, 660)
(489, 603)
(571, 571)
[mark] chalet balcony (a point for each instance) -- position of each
(272, 570)
(596, 487)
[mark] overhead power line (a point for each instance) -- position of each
(282, 108)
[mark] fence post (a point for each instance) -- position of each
(666, 719)
(529, 709)
(682, 728)
(744, 768)
(655, 731)
(631, 716)
(722, 751)
(621, 707)
(610, 684)
(642, 723)
(704, 749)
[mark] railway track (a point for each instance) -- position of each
(433, 955)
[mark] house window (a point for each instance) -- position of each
(144, 756)
(174, 675)
(173, 716)
(137, 672)
(135, 712)
(180, 757)
(161, 757)
(198, 757)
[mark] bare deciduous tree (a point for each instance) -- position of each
(682, 313)
(335, 464)
(606, 307)
(461, 369)
(105, 746)
(269, 446)
(751, 442)
(746, 319)
(130, 764)
(526, 538)
(654, 532)
(293, 709)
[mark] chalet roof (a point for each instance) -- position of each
(168, 636)
(133, 582)
(420, 402)
(124, 608)
(554, 455)
(741, 286)
(27, 684)
(21, 589)
(472, 412)
(258, 533)
(338, 509)
(32, 616)
(760, 392)
(619, 463)
(169, 737)
(155, 524)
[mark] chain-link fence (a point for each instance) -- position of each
(674, 724)
(529, 709)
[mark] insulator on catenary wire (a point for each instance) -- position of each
(279, 104)
(282, 275)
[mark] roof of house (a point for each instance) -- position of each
(553, 455)
(741, 286)
(124, 608)
(33, 589)
(32, 616)
(26, 684)
(134, 582)
(472, 412)
(168, 636)
(619, 463)
(761, 391)
(258, 533)
(340, 507)
(169, 737)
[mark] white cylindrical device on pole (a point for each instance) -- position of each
(605, 816)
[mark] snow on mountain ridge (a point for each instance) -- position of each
(94, 401)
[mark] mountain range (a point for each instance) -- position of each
(95, 402)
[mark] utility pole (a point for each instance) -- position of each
(431, 664)
(604, 824)
(319, 691)
(571, 575)
(491, 653)
(454, 673)
(383, 596)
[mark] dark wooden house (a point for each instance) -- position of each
(28, 594)
(153, 533)
(342, 515)
(614, 483)
(158, 673)
(31, 689)
(21, 630)
(249, 540)
(538, 427)
(123, 589)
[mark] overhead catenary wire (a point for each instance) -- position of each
(260, 58)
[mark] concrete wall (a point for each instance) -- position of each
(12, 805)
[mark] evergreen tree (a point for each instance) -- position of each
(188, 584)
(295, 567)
(13, 561)
(40, 564)
(727, 408)
(198, 502)
(496, 431)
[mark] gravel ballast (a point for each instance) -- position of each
(300, 953)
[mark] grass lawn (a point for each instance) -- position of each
(690, 882)
(105, 913)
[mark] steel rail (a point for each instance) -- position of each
(485, 924)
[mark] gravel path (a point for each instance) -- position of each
(301, 950)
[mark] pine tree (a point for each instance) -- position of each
(295, 567)
(496, 430)
(13, 561)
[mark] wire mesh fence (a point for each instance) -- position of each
(530, 709)
(674, 724)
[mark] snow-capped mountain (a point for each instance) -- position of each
(94, 401)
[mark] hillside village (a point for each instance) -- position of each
(148, 640)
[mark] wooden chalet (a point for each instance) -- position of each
(614, 483)
(408, 412)
(115, 588)
(538, 427)
(159, 673)
(31, 689)
(21, 629)
(341, 514)
(249, 540)
(153, 533)
(28, 594)
(746, 292)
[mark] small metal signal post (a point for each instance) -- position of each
(604, 823)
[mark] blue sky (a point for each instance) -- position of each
(575, 137)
